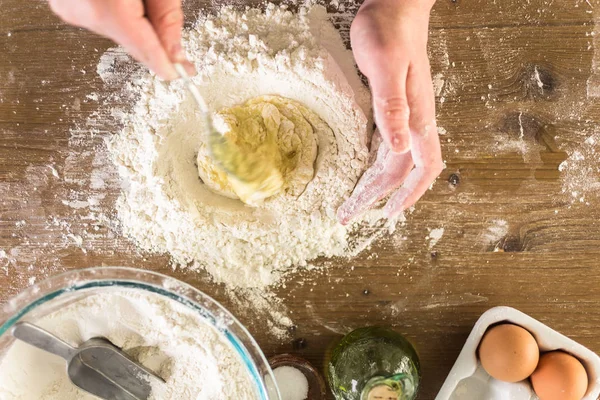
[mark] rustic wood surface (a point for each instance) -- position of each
(518, 98)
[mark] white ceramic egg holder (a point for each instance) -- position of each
(469, 381)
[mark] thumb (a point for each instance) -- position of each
(166, 16)
(391, 110)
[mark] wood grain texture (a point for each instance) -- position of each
(513, 232)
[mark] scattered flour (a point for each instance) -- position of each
(495, 232)
(438, 84)
(434, 236)
(580, 172)
(165, 207)
(192, 356)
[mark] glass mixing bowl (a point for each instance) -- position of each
(56, 292)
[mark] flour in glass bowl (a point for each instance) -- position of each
(241, 55)
(189, 353)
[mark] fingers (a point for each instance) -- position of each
(381, 59)
(125, 23)
(415, 186)
(383, 177)
(427, 156)
(420, 97)
(425, 150)
(89, 14)
(391, 108)
(389, 43)
(390, 169)
(138, 37)
(166, 16)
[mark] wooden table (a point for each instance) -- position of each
(516, 85)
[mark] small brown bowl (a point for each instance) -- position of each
(317, 390)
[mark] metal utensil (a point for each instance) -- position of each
(251, 169)
(97, 366)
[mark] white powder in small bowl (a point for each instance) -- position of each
(292, 383)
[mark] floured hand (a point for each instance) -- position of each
(389, 41)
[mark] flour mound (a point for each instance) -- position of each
(241, 55)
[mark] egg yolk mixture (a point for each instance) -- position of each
(278, 130)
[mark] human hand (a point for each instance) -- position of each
(389, 41)
(149, 30)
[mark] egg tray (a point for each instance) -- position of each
(469, 381)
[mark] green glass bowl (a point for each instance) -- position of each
(58, 291)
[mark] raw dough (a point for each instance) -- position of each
(281, 130)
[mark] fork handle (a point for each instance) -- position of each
(191, 87)
(43, 340)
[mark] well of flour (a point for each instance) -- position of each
(193, 357)
(200, 221)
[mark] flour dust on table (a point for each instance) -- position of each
(275, 77)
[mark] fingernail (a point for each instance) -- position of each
(171, 75)
(178, 56)
(189, 67)
(399, 144)
(177, 53)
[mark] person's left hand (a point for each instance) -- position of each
(390, 171)
(389, 41)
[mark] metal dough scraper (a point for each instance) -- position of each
(97, 366)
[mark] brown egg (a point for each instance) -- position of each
(509, 353)
(559, 376)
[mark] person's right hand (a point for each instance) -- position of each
(389, 42)
(151, 33)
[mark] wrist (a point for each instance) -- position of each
(416, 8)
(419, 5)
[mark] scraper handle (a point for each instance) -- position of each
(43, 340)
